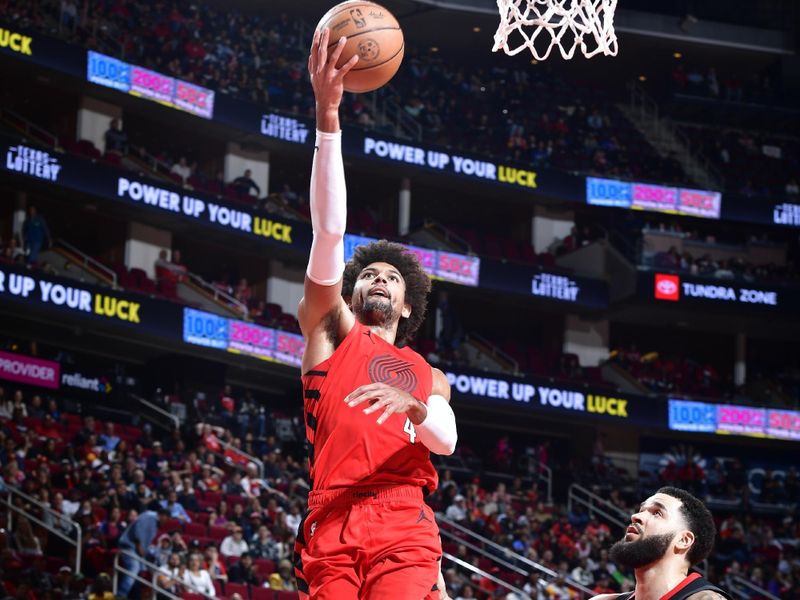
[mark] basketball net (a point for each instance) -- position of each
(568, 24)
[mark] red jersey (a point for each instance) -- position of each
(347, 448)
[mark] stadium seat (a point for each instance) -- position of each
(194, 530)
(261, 593)
(237, 588)
(264, 567)
(218, 533)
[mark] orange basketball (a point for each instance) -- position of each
(374, 34)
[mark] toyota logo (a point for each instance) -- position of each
(667, 287)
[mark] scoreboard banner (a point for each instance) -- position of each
(240, 337)
(552, 286)
(679, 289)
(42, 50)
(35, 290)
(135, 80)
(294, 130)
(556, 398)
(656, 198)
(29, 370)
(119, 185)
(730, 419)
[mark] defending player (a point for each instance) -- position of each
(672, 532)
(373, 411)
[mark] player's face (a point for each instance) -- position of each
(653, 532)
(379, 295)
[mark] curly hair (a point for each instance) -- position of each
(698, 520)
(418, 284)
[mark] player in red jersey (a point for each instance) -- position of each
(374, 411)
(672, 532)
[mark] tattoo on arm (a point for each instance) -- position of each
(706, 595)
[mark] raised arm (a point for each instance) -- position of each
(322, 306)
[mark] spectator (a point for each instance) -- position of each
(215, 565)
(534, 587)
(108, 440)
(36, 235)
(234, 544)
(102, 588)
(244, 183)
(244, 571)
(13, 252)
(26, 541)
(283, 579)
(134, 542)
(161, 550)
(116, 139)
(69, 15)
(182, 169)
(457, 511)
(792, 188)
(252, 483)
(171, 270)
(263, 545)
(171, 574)
(243, 293)
(197, 579)
(175, 508)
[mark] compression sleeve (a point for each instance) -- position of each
(328, 199)
(438, 430)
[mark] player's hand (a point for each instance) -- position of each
(326, 79)
(389, 399)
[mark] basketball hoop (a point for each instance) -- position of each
(542, 24)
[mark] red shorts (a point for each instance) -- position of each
(363, 544)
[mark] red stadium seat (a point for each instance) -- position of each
(218, 533)
(237, 588)
(215, 497)
(194, 530)
(260, 593)
(264, 567)
(283, 595)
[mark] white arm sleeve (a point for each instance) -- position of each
(328, 199)
(438, 430)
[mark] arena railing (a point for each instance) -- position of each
(506, 552)
(216, 295)
(28, 128)
(14, 492)
(89, 263)
(539, 471)
(747, 589)
(173, 420)
(154, 570)
(595, 505)
(664, 127)
(257, 462)
(490, 349)
(482, 573)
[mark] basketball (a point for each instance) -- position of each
(374, 34)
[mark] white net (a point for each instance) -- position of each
(541, 25)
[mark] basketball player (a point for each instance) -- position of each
(374, 411)
(672, 532)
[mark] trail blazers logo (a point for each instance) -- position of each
(30, 161)
(394, 372)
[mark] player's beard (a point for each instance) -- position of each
(641, 552)
(375, 311)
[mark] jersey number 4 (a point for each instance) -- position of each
(409, 429)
